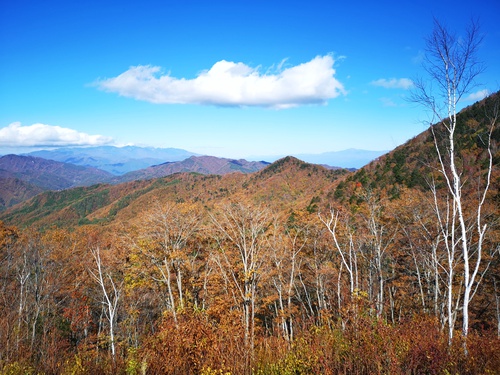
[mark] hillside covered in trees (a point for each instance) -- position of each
(293, 269)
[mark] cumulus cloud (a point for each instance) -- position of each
(16, 135)
(479, 95)
(394, 83)
(228, 83)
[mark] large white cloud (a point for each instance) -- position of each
(394, 83)
(228, 83)
(16, 135)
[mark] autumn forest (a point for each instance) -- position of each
(295, 269)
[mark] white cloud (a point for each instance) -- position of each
(228, 83)
(16, 135)
(479, 95)
(394, 83)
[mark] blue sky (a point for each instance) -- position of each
(232, 79)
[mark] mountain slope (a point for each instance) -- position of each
(22, 177)
(34, 174)
(51, 175)
(414, 164)
(14, 190)
(286, 182)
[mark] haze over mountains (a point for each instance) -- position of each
(351, 158)
(121, 160)
(115, 160)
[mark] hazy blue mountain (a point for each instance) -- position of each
(122, 160)
(350, 158)
(116, 160)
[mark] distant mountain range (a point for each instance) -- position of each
(350, 158)
(197, 164)
(288, 182)
(24, 176)
(115, 160)
(122, 160)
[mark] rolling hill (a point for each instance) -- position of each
(23, 177)
(285, 183)
(51, 175)
(197, 164)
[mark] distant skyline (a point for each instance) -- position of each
(229, 79)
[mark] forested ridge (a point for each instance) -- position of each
(294, 269)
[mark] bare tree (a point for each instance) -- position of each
(165, 234)
(239, 231)
(346, 249)
(452, 66)
(445, 213)
(33, 274)
(285, 243)
(111, 292)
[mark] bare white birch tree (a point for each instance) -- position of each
(111, 292)
(446, 217)
(452, 66)
(346, 249)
